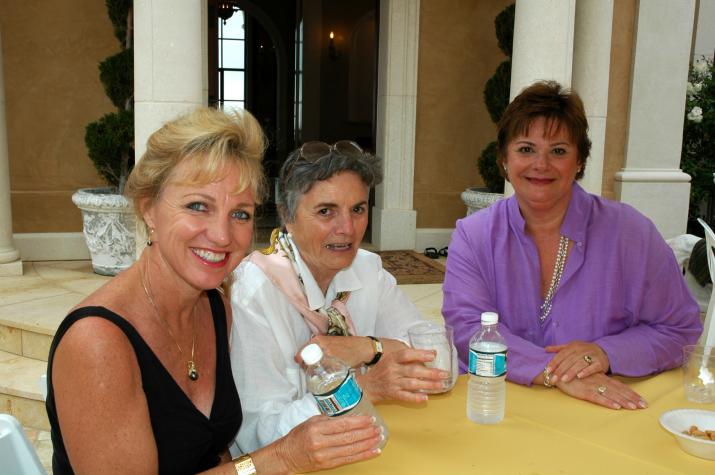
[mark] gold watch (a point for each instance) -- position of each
(244, 465)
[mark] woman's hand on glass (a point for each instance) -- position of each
(576, 360)
(401, 375)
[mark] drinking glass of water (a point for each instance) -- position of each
(440, 338)
(699, 373)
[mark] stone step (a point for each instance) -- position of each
(21, 393)
(33, 305)
(27, 327)
(22, 342)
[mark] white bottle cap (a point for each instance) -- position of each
(489, 318)
(311, 354)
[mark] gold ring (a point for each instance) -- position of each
(601, 390)
(588, 359)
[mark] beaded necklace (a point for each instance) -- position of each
(561, 255)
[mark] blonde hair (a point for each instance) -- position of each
(210, 140)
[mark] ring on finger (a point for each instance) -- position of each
(601, 390)
(588, 359)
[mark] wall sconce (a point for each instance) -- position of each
(332, 50)
(226, 9)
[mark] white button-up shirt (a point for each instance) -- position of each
(268, 331)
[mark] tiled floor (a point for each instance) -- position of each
(42, 296)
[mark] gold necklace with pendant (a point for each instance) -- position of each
(191, 370)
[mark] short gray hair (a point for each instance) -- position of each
(297, 176)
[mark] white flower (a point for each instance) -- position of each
(700, 66)
(690, 89)
(698, 86)
(695, 114)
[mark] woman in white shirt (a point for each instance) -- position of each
(315, 284)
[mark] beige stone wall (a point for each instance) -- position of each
(624, 17)
(50, 54)
(458, 53)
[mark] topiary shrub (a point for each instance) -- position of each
(504, 26)
(496, 98)
(489, 170)
(110, 139)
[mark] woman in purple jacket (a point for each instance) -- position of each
(584, 287)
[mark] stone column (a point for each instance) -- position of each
(543, 45)
(543, 42)
(10, 263)
(170, 67)
(704, 44)
(591, 67)
(651, 180)
(394, 221)
(168, 63)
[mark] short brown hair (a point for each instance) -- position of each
(559, 106)
(211, 140)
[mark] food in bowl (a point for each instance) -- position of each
(702, 434)
(679, 421)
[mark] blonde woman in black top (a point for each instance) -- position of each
(139, 378)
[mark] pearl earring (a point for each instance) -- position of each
(149, 242)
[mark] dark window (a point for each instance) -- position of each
(298, 93)
(232, 62)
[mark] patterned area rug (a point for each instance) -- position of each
(409, 267)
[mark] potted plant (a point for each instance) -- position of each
(107, 216)
(496, 98)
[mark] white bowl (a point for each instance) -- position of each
(679, 420)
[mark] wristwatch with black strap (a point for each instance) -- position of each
(377, 347)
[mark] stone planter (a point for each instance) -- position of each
(479, 198)
(109, 229)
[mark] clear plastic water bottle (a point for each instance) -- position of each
(486, 391)
(335, 388)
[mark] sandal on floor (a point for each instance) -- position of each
(432, 253)
(443, 252)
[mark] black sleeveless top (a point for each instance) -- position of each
(187, 442)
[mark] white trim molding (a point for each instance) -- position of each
(433, 237)
(52, 246)
(653, 175)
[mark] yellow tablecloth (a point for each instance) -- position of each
(543, 432)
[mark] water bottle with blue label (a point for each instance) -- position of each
(335, 388)
(486, 390)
